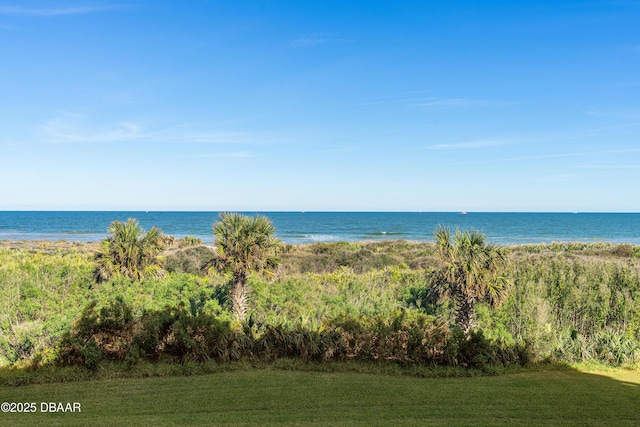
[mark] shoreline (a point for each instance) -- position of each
(94, 245)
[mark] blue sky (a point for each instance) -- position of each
(320, 105)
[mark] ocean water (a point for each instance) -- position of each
(306, 227)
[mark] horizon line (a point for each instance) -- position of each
(317, 211)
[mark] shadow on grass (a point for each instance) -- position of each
(19, 376)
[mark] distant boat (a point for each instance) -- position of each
(463, 213)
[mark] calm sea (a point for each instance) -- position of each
(305, 227)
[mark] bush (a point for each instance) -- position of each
(173, 333)
(623, 250)
(23, 342)
(98, 334)
(114, 334)
(192, 260)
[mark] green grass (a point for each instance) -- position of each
(277, 397)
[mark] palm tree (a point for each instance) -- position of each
(245, 244)
(472, 272)
(129, 251)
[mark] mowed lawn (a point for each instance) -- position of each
(275, 397)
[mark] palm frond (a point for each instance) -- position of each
(129, 251)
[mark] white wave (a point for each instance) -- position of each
(322, 237)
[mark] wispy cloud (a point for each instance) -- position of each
(468, 144)
(553, 178)
(609, 167)
(548, 146)
(451, 102)
(618, 114)
(60, 11)
(461, 102)
(233, 154)
(370, 103)
(571, 154)
(343, 149)
(416, 99)
(68, 128)
(315, 39)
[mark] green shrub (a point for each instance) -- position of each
(113, 333)
(192, 260)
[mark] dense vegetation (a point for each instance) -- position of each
(327, 301)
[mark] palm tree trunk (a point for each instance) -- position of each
(239, 295)
(465, 315)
